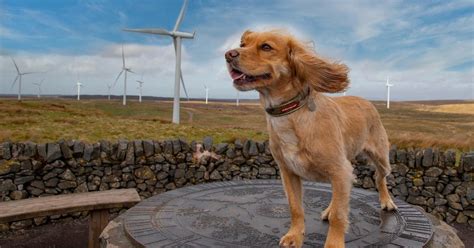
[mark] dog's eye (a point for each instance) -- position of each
(266, 47)
(242, 44)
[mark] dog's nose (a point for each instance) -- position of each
(231, 54)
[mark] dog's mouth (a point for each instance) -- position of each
(241, 78)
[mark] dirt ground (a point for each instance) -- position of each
(465, 233)
(75, 234)
(72, 234)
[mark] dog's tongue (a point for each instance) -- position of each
(236, 74)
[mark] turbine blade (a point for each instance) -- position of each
(130, 70)
(174, 45)
(32, 72)
(14, 81)
(149, 31)
(184, 86)
(181, 16)
(18, 70)
(118, 76)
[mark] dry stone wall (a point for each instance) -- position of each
(432, 179)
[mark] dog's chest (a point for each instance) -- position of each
(286, 142)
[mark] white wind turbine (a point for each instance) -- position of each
(39, 87)
(124, 69)
(207, 92)
(79, 85)
(109, 89)
(238, 99)
(19, 76)
(388, 85)
(140, 86)
(177, 36)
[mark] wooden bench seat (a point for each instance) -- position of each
(98, 203)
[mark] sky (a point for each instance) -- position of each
(426, 48)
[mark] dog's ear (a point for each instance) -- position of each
(244, 35)
(321, 75)
(246, 32)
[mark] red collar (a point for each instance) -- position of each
(290, 106)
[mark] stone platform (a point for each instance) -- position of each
(255, 214)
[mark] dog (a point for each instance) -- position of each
(312, 136)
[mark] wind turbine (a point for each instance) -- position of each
(126, 69)
(140, 86)
(177, 36)
(238, 99)
(207, 92)
(109, 89)
(39, 87)
(19, 76)
(78, 86)
(388, 85)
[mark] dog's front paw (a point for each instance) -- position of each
(292, 239)
(388, 205)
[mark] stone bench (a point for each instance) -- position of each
(98, 203)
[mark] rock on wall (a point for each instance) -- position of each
(426, 177)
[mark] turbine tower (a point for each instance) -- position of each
(126, 69)
(39, 87)
(388, 85)
(140, 86)
(207, 92)
(177, 36)
(78, 86)
(19, 76)
(237, 101)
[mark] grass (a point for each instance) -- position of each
(408, 124)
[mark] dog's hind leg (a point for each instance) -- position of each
(382, 170)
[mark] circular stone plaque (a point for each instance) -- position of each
(256, 214)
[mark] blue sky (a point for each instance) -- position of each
(425, 47)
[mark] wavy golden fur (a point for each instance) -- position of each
(311, 144)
